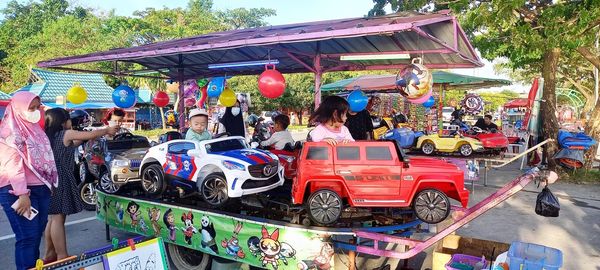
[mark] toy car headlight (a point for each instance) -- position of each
(287, 158)
(233, 165)
(119, 163)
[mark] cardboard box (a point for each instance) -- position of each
(456, 244)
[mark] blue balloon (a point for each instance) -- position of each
(124, 97)
(358, 100)
(429, 103)
(215, 87)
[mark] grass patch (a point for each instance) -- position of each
(582, 176)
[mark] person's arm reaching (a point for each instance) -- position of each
(271, 140)
(73, 135)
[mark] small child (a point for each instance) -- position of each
(281, 136)
(331, 116)
(198, 126)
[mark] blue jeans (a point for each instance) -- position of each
(28, 233)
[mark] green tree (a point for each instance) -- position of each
(245, 18)
(527, 33)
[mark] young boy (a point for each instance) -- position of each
(198, 126)
(281, 136)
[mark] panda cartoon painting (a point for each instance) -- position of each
(208, 235)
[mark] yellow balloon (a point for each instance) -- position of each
(77, 94)
(227, 97)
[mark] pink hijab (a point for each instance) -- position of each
(28, 139)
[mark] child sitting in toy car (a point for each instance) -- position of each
(198, 126)
(331, 115)
(282, 136)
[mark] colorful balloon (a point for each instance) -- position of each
(76, 94)
(227, 98)
(124, 97)
(358, 100)
(429, 103)
(215, 86)
(190, 88)
(415, 80)
(161, 99)
(189, 102)
(271, 83)
(172, 87)
(202, 82)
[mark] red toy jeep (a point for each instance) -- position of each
(374, 174)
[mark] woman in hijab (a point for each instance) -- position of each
(27, 174)
(233, 121)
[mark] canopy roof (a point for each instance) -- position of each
(516, 103)
(304, 47)
(388, 82)
(4, 96)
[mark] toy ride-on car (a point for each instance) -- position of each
(429, 144)
(493, 142)
(374, 174)
(113, 162)
(218, 169)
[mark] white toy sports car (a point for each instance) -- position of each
(218, 169)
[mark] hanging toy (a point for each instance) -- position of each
(202, 96)
(429, 103)
(472, 104)
(215, 87)
(227, 98)
(271, 83)
(76, 94)
(415, 81)
(358, 100)
(172, 87)
(123, 96)
(171, 117)
(161, 99)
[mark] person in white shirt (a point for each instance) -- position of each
(281, 136)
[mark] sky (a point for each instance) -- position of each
(288, 11)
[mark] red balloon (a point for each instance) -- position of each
(161, 99)
(271, 83)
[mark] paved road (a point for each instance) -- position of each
(576, 232)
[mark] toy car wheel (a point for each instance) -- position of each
(466, 150)
(427, 148)
(87, 193)
(324, 207)
(214, 189)
(153, 180)
(431, 206)
(107, 185)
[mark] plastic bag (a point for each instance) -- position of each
(547, 204)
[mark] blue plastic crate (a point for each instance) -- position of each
(533, 257)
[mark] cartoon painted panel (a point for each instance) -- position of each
(182, 166)
(254, 243)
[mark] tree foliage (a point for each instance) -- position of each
(41, 30)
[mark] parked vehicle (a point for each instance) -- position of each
(218, 169)
(374, 174)
(113, 163)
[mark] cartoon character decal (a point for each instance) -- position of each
(169, 220)
(253, 243)
(319, 262)
(232, 246)
(272, 251)
(133, 209)
(143, 225)
(189, 230)
(181, 166)
(154, 216)
(120, 212)
(208, 235)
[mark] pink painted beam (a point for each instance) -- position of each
(432, 66)
(311, 69)
(488, 203)
(338, 55)
(388, 239)
(440, 42)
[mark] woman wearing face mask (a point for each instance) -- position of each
(233, 121)
(27, 173)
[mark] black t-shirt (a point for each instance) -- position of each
(482, 125)
(359, 124)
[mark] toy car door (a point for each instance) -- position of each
(370, 172)
(178, 163)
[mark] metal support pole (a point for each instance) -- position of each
(486, 173)
(318, 76)
(352, 256)
(107, 231)
(180, 105)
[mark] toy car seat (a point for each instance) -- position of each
(169, 136)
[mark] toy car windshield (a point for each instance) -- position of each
(226, 145)
(127, 144)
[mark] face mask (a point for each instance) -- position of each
(33, 117)
(235, 111)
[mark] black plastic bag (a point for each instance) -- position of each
(547, 204)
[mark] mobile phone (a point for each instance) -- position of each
(34, 211)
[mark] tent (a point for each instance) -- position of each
(516, 103)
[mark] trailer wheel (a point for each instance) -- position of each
(324, 207)
(431, 206)
(214, 190)
(186, 258)
(153, 180)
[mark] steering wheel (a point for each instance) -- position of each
(477, 129)
(493, 130)
(123, 136)
(221, 135)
